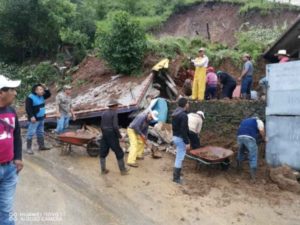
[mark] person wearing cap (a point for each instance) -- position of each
(137, 133)
(246, 77)
(247, 136)
(199, 82)
(180, 138)
(228, 84)
(64, 109)
(211, 83)
(195, 121)
(35, 109)
(110, 138)
(10, 149)
(282, 56)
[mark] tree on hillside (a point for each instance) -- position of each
(123, 45)
(36, 28)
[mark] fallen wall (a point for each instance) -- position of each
(222, 119)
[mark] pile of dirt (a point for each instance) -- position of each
(223, 20)
(286, 178)
(91, 72)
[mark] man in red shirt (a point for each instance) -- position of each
(10, 149)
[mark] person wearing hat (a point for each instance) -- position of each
(10, 148)
(246, 77)
(137, 133)
(199, 82)
(195, 121)
(228, 84)
(282, 56)
(247, 135)
(64, 109)
(211, 83)
(36, 111)
(180, 138)
(110, 138)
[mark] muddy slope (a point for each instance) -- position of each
(223, 20)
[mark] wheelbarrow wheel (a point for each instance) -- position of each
(225, 164)
(93, 148)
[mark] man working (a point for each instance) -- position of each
(180, 136)
(64, 109)
(199, 82)
(211, 83)
(228, 84)
(10, 149)
(110, 138)
(247, 136)
(137, 133)
(35, 109)
(195, 121)
(246, 77)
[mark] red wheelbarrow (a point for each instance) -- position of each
(211, 155)
(85, 139)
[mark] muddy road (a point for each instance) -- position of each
(69, 190)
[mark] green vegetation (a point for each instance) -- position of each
(252, 40)
(123, 44)
(44, 72)
(38, 30)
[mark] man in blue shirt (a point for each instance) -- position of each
(247, 136)
(35, 109)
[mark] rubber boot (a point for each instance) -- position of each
(176, 175)
(238, 166)
(123, 169)
(253, 174)
(29, 147)
(103, 166)
(41, 143)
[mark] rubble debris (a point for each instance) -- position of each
(286, 178)
(163, 132)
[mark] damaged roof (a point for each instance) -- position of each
(290, 41)
(128, 91)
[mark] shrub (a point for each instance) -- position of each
(123, 44)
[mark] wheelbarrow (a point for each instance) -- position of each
(89, 141)
(211, 155)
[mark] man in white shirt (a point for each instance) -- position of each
(195, 121)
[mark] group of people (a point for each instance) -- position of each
(205, 79)
(185, 126)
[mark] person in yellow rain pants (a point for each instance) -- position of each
(137, 133)
(199, 83)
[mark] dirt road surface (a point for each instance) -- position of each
(68, 190)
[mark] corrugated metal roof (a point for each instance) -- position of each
(129, 92)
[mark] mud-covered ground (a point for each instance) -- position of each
(72, 187)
